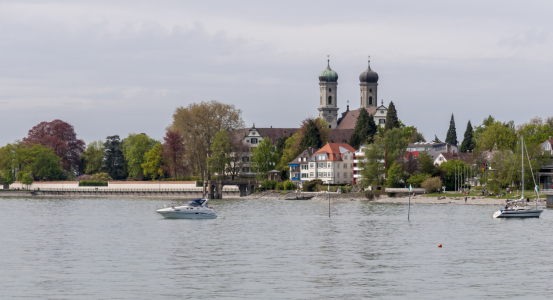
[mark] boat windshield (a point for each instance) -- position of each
(195, 203)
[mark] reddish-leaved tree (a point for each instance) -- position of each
(61, 137)
(173, 152)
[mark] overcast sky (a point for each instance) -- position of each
(118, 67)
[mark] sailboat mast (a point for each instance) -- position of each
(522, 159)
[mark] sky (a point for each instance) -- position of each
(120, 67)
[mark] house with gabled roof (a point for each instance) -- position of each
(333, 164)
(299, 167)
(547, 147)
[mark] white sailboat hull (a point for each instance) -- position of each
(523, 213)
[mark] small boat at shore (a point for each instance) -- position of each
(194, 209)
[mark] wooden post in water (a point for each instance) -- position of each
(409, 206)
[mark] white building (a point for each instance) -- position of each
(333, 164)
(299, 167)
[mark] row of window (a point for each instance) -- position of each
(326, 174)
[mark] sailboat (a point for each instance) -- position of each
(512, 208)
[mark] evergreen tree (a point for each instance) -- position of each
(311, 137)
(468, 141)
(451, 136)
(114, 161)
(391, 118)
(436, 139)
(365, 129)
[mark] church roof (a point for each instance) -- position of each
(350, 119)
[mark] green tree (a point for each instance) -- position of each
(264, 157)
(102, 176)
(114, 161)
(94, 157)
(365, 129)
(497, 136)
(372, 168)
(153, 166)
(134, 148)
(46, 165)
(468, 140)
(221, 152)
(436, 139)
(8, 178)
(431, 185)
(395, 176)
(426, 163)
(395, 144)
(478, 130)
(392, 120)
(451, 136)
(417, 179)
(312, 137)
(534, 134)
(27, 179)
(448, 169)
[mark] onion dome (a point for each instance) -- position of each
(328, 75)
(369, 76)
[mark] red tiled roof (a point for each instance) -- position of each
(349, 120)
(333, 150)
(464, 157)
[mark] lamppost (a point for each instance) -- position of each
(328, 192)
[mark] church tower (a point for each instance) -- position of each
(369, 85)
(328, 86)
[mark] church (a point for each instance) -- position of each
(341, 125)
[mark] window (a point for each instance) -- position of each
(311, 165)
(320, 174)
(246, 170)
(345, 165)
(371, 90)
(338, 175)
(246, 158)
(337, 166)
(382, 121)
(324, 174)
(254, 141)
(248, 141)
(312, 174)
(329, 99)
(304, 175)
(345, 174)
(370, 100)
(330, 89)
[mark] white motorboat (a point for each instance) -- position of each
(512, 211)
(194, 209)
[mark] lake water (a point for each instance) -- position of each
(122, 249)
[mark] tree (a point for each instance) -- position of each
(478, 130)
(468, 140)
(134, 148)
(27, 179)
(497, 136)
(102, 176)
(417, 179)
(451, 136)
(395, 176)
(311, 137)
(449, 167)
(395, 144)
(365, 129)
(8, 178)
(264, 157)
(114, 161)
(46, 164)
(94, 157)
(426, 163)
(61, 137)
(372, 168)
(436, 139)
(198, 123)
(220, 153)
(153, 165)
(392, 120)
(173, 152)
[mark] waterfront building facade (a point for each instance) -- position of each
(299, 167)
(433, 149)
(333, 164)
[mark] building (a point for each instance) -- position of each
(358, 158)
(299, 167)
(546, 147)
(433, 149)
(443, 157)
(332, 164)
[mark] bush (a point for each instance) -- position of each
(100, 177)
(417, 179)
(310, 186)
(371, 195)
(279, 186)
(84, 177)
(269, 184)
(431, 185)
(289, 185)
(93, 183)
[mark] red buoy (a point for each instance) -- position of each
(440, 246)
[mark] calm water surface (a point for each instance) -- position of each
(122, 249)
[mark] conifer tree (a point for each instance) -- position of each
(451, 136)
(365, 129)
(468, 140)
(312, 137)
(391, 118)
(436, 139)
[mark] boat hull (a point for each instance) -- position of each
(518, 213)
(187, 215)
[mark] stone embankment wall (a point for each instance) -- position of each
(277, 195)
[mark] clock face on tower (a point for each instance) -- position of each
(329, 118)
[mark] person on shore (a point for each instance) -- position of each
(466, 199)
